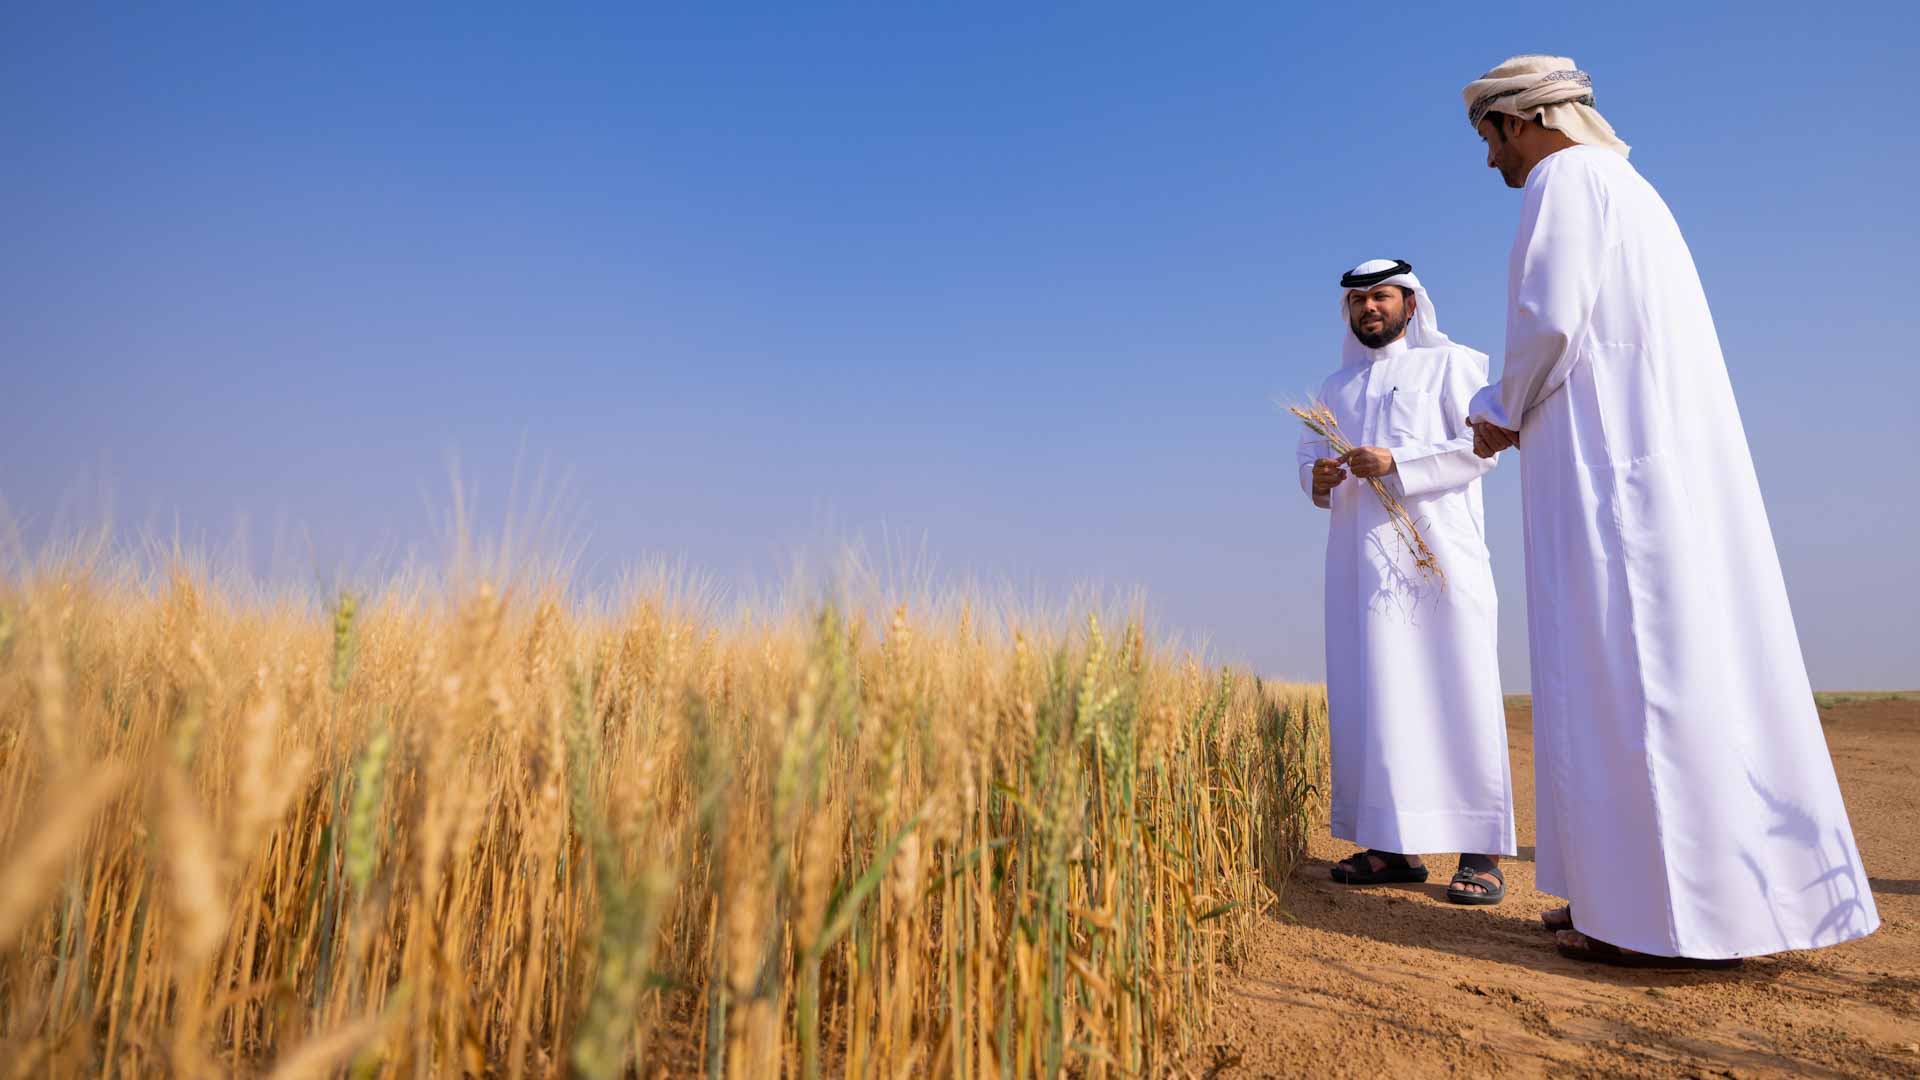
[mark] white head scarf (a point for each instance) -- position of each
(1423, 330)
(1550, 89)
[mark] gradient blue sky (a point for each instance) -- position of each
(1010, 286)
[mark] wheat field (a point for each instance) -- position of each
(487, 831)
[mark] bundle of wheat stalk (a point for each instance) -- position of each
(506, 836)
(1320, 420)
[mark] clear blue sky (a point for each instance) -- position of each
(1009, 284)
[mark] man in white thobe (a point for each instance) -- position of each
(1413, 683)
(1686, 803)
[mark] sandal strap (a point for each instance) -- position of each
(1481, 864)
(1358, 860)
(1467, 875)
(1392, 860)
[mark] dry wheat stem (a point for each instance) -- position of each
(1320, 420)
(410, 837)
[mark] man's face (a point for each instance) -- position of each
(1378, 315)
(1501, 153)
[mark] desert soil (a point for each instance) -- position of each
(1394, 981)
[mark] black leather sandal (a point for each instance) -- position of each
(1396, 869)
(1474, 870)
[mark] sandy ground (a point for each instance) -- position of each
(1394, 981)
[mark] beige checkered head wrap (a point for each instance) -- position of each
(1550, 89)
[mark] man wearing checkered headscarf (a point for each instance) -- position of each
(1685, 803)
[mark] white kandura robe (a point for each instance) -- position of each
(1419, 741)
(1687, 804)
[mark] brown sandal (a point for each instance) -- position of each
(1557, 919)
(1575, 945)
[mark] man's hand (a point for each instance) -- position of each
(1490, 439)
(1327, 475)
(1369, 462)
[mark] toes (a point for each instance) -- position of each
(1474, 885)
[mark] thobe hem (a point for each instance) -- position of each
(1623, 937)
(1477, 832)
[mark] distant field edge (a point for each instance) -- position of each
(1826, 699)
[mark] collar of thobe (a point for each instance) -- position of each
(1391, 349)
(1571, 151)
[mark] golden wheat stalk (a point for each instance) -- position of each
(499, 834)
(1320, 420)
(33, 866)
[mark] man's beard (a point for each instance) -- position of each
(1389, 330)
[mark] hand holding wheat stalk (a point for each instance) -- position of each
(1320, 420)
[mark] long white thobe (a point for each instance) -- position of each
(1686, 802)
(1419, 743)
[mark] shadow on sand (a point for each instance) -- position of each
(1496, 934)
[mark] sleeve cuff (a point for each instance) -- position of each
(1485, 408)
(1415, 474)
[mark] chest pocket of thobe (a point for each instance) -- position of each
(1412, 417)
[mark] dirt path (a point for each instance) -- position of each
(1394, 981)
